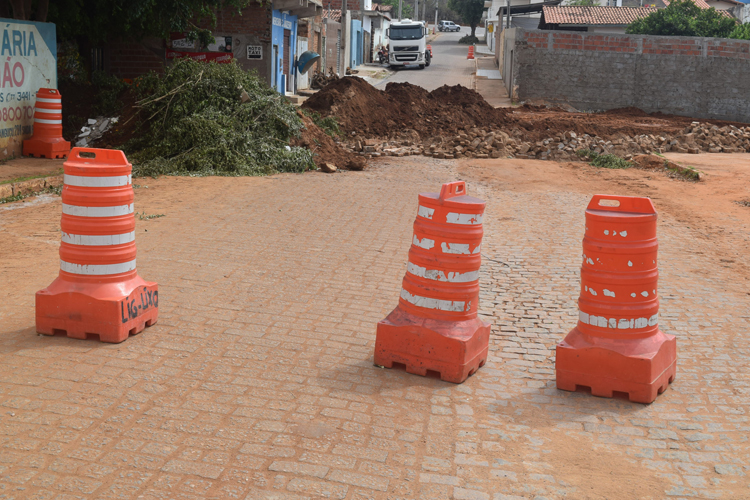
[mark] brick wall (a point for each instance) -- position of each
(700, 77)
(251, 27)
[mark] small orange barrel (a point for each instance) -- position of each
(617, 345)
(98, 290)
(435, 326)
(471, 52)
(47, 140)
(429, 49)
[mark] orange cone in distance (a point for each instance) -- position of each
(47, 140)
(435, 326)
(98, 290)
(617, 345)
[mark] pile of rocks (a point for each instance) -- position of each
(94, 130)
(494, 143)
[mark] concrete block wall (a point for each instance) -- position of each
(700, 77)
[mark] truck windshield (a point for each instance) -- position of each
(410, 33)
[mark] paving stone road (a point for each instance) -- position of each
(257, 382)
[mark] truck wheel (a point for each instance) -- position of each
(421, 66)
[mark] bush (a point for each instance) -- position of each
(329, 124)
(684, 18)
(468, 40)
(108, 89)
(741, 32)
(196, 123)
(604, 161)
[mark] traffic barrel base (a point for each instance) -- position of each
(642, 370)
(617, 346)
(47, 140)
(454, 350)
(435, 326)
(113, 311)
(98, 289)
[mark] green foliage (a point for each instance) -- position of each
(741, 32)
(196, 124)
(603, 161)
(329, 124)
(684, 18)
(102, 20)
(582, 3)
(407, 9)
(70, 66)
(470, 11)
(468, 40)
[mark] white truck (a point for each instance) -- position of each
(407, 44)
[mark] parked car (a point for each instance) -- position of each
(448, 26)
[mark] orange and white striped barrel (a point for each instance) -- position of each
(98, 290)
(442, 278)
(619, 273)
(617, 346)
(47, 140)
(98, 221)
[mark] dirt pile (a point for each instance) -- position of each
(324, 148)
(362, 110)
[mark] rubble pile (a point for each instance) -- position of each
(496, 143)
(456, 122)
(95, 129)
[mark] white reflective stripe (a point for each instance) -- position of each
(83, 181)
(97, 239)
(458, 248)
(52, 122)
(53, 100)
(429, 303)
(49, 111)
(426, 243)
(98, 211)
(437, 275)
(97, 270)
(614, 323)
(465, 219)
(425, 212)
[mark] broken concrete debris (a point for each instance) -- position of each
(95, 130)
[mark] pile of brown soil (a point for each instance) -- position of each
(324, 148)
(369, 112)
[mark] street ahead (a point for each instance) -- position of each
(449, 65)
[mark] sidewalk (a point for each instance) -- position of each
(488, 80)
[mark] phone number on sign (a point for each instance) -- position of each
(13, 113)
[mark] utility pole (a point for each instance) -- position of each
(424, 12)
(416, 10)
(507, 14)
(436, 12)
(400, 2)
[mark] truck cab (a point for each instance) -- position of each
(407, 44)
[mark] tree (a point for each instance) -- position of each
(27, 10)
(742, 32)
(99, 21)
(469, 10)
(407, 8)
(583, 3)
(684, 18)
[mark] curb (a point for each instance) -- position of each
(30, 186)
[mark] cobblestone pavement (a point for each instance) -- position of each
(257, 382)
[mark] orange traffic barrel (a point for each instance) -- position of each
(471, 52)
(98, 290)
(617, 346)
(435, 327)
(429, 49)
(47, 140)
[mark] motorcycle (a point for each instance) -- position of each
(383, 55)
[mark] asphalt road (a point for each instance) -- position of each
(449, 65)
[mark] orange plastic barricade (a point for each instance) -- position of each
(435, 326)
(617, 345)
(429, 49)
(471, 52)
(98, 290)
(47, 140)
